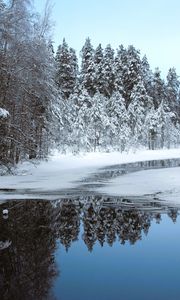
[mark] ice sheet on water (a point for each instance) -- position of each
(161, 182)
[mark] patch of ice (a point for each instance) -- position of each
(163, 182)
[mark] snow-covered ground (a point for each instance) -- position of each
(64, 171)
(163, 182)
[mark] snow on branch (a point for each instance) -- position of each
(3, 113)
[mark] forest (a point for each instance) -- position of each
(102, 100)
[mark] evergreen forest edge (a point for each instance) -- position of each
(109, 100)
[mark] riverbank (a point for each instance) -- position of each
(64, 172)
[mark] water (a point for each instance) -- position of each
(90, 248)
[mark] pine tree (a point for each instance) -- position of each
(67, 115)
(151, 129)
(98, 121)
(118, 129)
(99, 71)
(74, 66)
(160, 129)
(158, 91)
(87, 67)
(147, 75)
(166, 128)
(66, 64)
(131, 72)
(140, 103)
(119, 70)
(83, 120)
(172, 87)
(108, 71)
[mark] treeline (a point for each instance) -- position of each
(114, 101)
(27, 89)
(110, 100)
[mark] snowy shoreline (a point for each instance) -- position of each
(66, 171)
(163, 183)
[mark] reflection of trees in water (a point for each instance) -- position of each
(131, 224)
(27, 266)
(173, 214)
(111, 223)
(68, 223)
(106, 223)
(89, 222)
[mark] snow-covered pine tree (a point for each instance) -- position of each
(172, 92)
(98, 122)
(131, 71)
(159, 89)
(108, 71)
(87, 67)
(74, 67)
(166, 129)
(67, 116)
(81, 121)
(151, 129)
(118, 132)
(160, 128)
(98, 64)
(119, 69)
(147, 75)
(66, 64)
(140, 103)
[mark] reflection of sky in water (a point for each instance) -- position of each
(150, 269)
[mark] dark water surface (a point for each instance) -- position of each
(90, 248)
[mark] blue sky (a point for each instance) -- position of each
(152, 26)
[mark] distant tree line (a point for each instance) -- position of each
(114, 101)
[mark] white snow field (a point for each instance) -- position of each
(64, 171)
